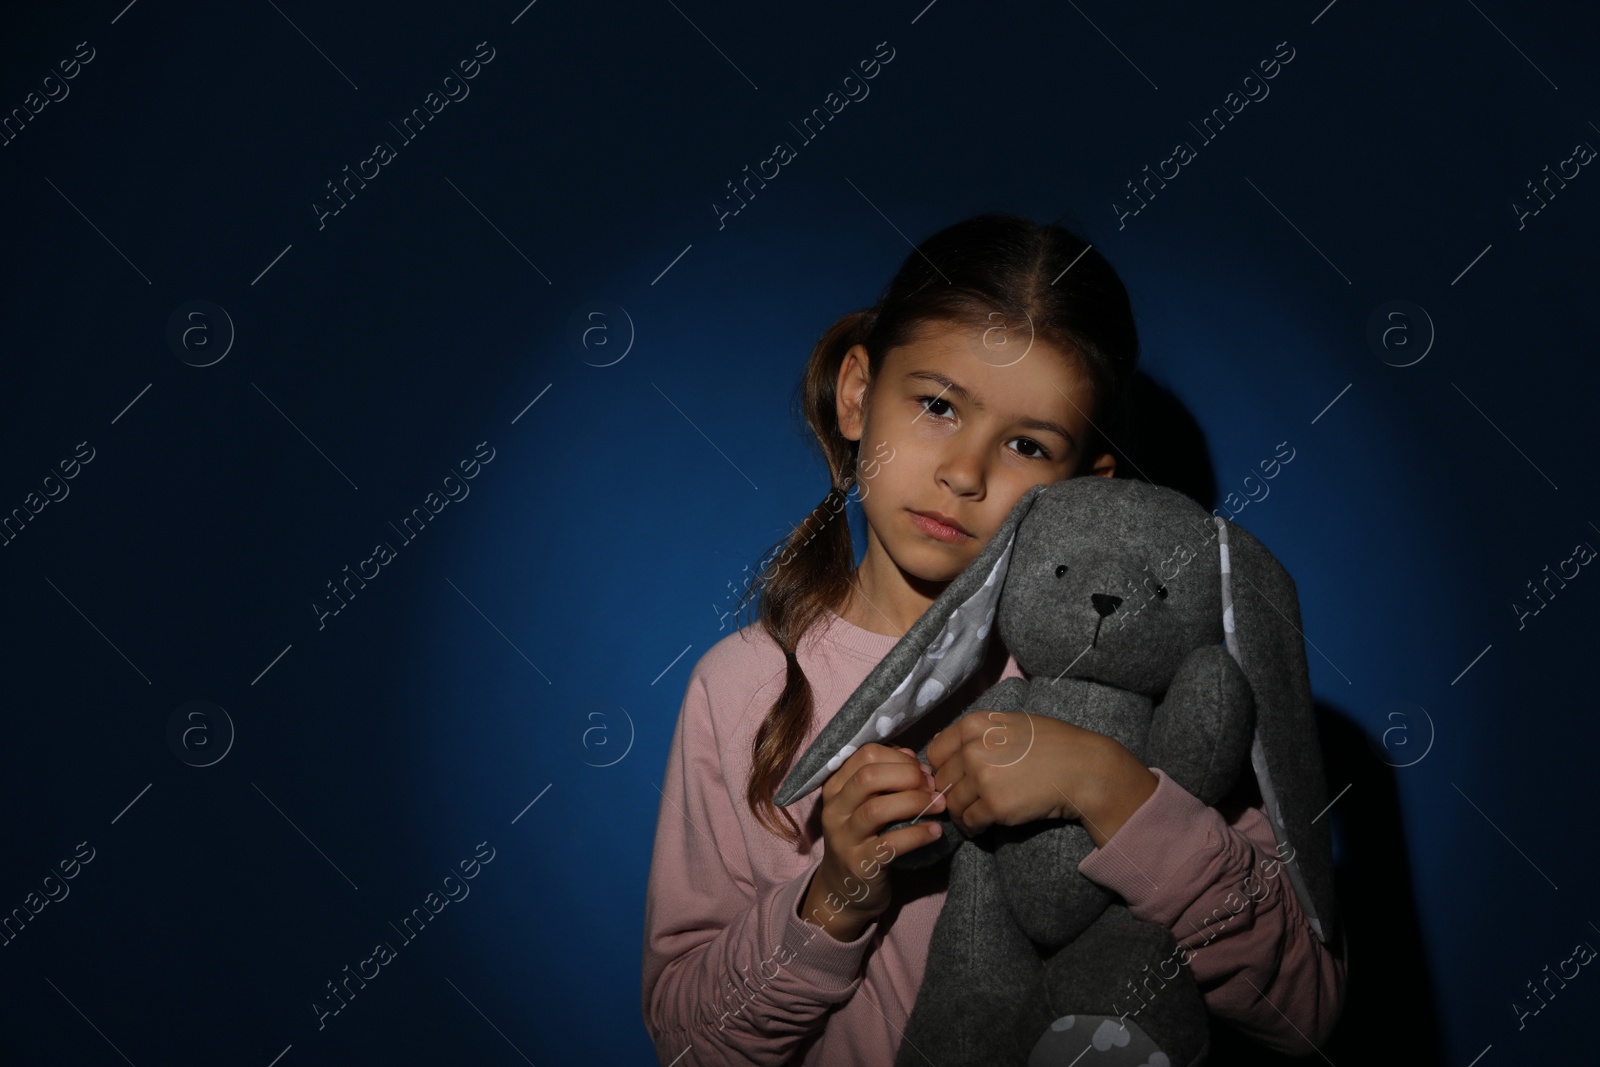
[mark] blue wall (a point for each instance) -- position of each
(531, 645)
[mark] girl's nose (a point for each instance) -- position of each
(962, 472)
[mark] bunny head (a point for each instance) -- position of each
(1096, 589)
(1114, 581)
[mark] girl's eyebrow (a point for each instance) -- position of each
(962, 392)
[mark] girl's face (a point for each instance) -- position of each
(952, 434)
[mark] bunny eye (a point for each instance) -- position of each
(1061, 569)
(1161, 591)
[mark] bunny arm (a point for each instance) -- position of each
(1010, 694)
(985, 984)
(1201, 731)
(1108, 966)
(1038, 861)
(1199, 734)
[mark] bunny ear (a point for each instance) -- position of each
(1261, 625)
(935, 657)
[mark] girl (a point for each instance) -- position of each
(1000, 356)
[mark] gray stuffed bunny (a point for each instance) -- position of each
(1134, 613)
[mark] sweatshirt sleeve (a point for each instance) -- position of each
(732, 972)
(1221, 890)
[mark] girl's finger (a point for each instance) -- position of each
(948, 742)
(881, 810)
(942, 744)
(951, 771)
(959, 797)
(977, 817)
(873, 752)
(900, 782)
(868, 753)
(911, 838)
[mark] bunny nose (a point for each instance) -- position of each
(1104, 603)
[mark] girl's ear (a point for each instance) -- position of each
(936, 656)
(850, 392)
(1261, 625)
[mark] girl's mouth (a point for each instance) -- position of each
(941, 531)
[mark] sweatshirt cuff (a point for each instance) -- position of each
(1157, 847)
(813, 955)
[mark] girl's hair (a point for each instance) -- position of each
(962, 276)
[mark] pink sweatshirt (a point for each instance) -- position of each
(734, 975)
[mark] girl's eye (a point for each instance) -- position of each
(1161, 591)
(1042, 453)
(928, 402)
(1061, 569)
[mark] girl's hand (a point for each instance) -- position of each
(875, 786)
(1010, 767)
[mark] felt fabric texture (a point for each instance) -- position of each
(1133, 613)
(1118, 1032)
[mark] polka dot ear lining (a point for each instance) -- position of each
(1286, 700)
(943, 667)
(943, 649)
(949, 659)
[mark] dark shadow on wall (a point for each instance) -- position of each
(1165, 445)
(1388, 979)
(1388, 976)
